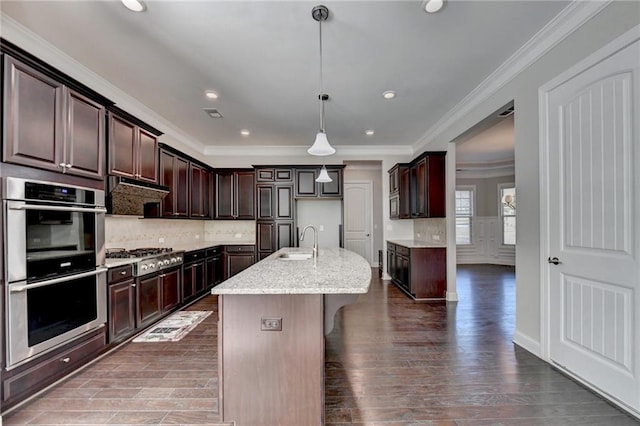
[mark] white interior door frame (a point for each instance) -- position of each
(545, 138)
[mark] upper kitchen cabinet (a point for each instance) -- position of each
(417, 189)
(174, 173)
(200, 179)
(50, 121)
(133, 147)
(235, 194)
(307, 187)
(428, 198)
(399, 192)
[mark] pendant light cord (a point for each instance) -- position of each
(321, 96)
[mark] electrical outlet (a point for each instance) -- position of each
(321, 228)
(418, 235)
(197, 236)
(271, 324)
(238, 235)
(161, 240)
(436, 237)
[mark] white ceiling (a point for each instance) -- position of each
(262, 58)
(493, 145)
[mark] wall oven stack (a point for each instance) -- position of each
(54, 265)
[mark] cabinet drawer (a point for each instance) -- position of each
(119, 273)
(391, 247)
(192, 256)
(212, 251)
(239, 249)
(403, 251)
(46, 372)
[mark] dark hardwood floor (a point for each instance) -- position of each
(389, 361)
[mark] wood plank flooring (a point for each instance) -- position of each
(389, 361)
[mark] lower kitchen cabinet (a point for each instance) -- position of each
(214, 267)
(421, 272)
(171, 281)
(193, 283)
(238, 258)
(149, 300)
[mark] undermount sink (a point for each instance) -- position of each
(295, 256)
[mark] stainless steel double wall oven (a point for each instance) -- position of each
(54, 265)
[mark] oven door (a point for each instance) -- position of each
(44, 315)
(45, 241)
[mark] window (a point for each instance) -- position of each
(508, 212)
(464, 213)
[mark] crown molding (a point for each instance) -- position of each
(21, 36)
(342, 151)
(564, 24)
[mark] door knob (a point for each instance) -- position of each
(367, 235)
(554, 260)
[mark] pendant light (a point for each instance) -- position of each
(324, 176)
(321, 145)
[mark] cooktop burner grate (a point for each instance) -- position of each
(119, 253)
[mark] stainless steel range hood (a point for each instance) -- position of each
(128, 196)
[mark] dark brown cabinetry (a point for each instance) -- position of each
(48, 125)
(306, 185)
(200, 179)
(133, 147)
(275, 226)
(171, 281)
(399, 192)
(122, 301)
(235, 191)
(214, 266)
(194, 282)
(421, 272)
(149, 300)
(418, 189)
(238, 258)
(174, 173)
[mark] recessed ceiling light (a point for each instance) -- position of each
(245, 132)
(370, 132)
(134, 5)
(432, 6)
(389, 94)
(211, 94)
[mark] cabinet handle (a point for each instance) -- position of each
(123, 272)
(65, 360)
(133, 285)
(62, 165)
(68, 165)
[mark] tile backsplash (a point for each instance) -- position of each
(432, 230)
(131, 232)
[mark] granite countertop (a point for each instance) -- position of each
(417, 244)
(335, 271)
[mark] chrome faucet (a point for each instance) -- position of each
(315, 238)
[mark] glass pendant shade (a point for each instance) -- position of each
(321, 146)
(324, 176)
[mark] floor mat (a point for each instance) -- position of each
(173, 328)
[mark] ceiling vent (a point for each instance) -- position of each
(507, 112)
(213, 113)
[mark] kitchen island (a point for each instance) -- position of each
(272, 320)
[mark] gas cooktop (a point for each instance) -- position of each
(145, 260)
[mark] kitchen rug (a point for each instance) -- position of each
(173, 328)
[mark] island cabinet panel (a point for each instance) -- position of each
(48, 125)
(289, 362)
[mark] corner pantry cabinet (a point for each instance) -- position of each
(50, 121)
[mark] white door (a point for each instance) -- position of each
(358, 206)
(593, 224)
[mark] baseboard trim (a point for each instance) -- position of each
(452, 296)
(527, 343)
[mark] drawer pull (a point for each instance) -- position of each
(66, 360)
(123, 272)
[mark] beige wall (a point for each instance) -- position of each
(486, 193)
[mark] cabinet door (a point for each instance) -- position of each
(436, 196)
(224, 195)
(206, 194)
(122, 322)
(197, 191)
(182, 187)
(285, 235)
(166, 179)
(402, 263)
(214, 271)
(188, 283)
(333, 188)
(394, 180)
(122, 147)
(170, 290)
(265, 200)
(85, 146)
(32, 114)
(237, 262)
(284, 202)
(394, 207)
(147, 156)
(245, 195)
(418, 189)
(265, 234)
(306, 183)
(404, 194)
(149, 298)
